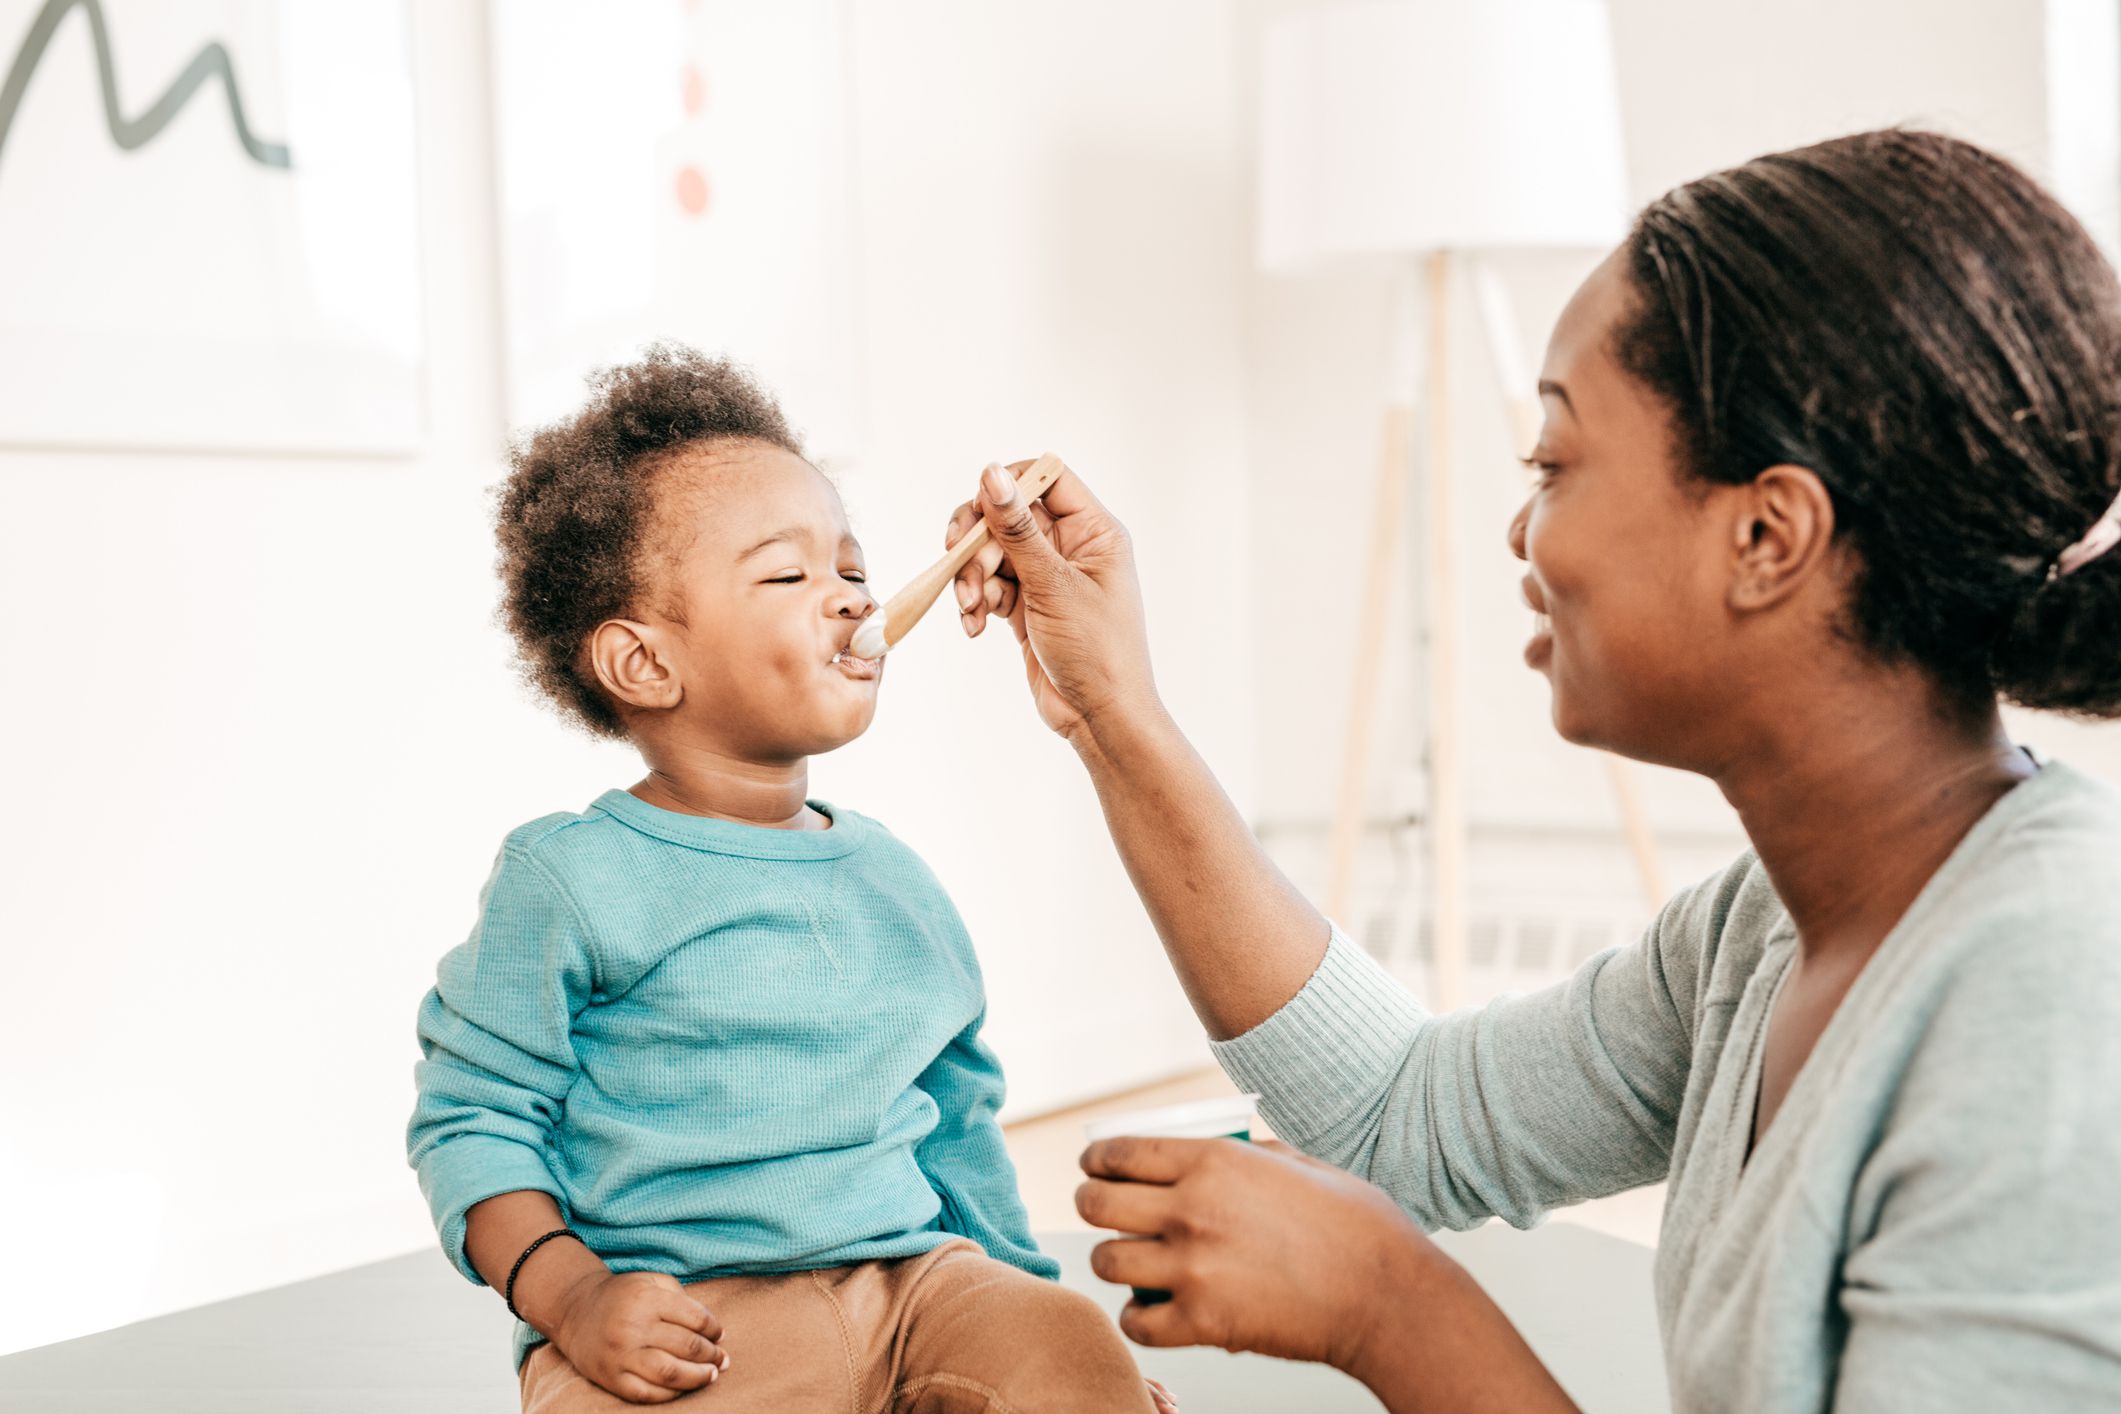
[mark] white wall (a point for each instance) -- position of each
(263, 738)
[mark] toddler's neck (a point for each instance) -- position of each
(696, 781)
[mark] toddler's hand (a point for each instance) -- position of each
(638, 1335)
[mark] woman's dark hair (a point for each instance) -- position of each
(576, 513)
(1915, 320)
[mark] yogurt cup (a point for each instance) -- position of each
(1228, 1117)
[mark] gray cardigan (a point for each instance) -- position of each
(1933, 1219)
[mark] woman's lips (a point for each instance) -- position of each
(1541, 647)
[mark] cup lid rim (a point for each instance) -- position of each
(1164, 1118)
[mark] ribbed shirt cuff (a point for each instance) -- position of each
(1332, 1044)
(468, 1170)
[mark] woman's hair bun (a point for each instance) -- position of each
(2062, 652)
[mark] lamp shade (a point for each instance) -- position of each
(1404, 126)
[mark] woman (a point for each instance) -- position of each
(1829, 465)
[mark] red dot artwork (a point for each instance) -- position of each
(692, 190)
(694, 88)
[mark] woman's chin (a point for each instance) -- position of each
(1614, 736)
(1570, 724)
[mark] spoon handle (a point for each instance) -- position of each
(906, 607)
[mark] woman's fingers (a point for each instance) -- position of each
(1007, 571)
(1165, 1323)
(1068, 496)
(987, 585)
(968, 588)
(989, 558)
(1165, 1402)
(1137, 1261)
(1045, 520)
(1145, 1160)
(993, 576)
(1145, 1208)
(1061, 571)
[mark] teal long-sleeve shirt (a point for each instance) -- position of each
(722, 1050)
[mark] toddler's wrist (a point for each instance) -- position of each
(552, 1282)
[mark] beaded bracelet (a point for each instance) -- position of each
(510, 1293)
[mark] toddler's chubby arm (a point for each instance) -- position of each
(636, 1334)
(496, 1041)
(965, 1159)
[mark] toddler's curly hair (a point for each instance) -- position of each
(575, 515)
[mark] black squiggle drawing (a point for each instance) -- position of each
(130, 133)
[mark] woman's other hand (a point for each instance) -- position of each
(1261, 1248)
(1266, 1249)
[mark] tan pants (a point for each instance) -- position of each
(947, 1332)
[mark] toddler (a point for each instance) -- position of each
(703, 1094)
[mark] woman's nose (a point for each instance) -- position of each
(1517, 530)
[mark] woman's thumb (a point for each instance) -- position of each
(1038, 565)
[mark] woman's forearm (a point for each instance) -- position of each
(1241, 938)
(1438, 1342)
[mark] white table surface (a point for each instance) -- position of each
(408, 1335)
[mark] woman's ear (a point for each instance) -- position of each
(634, 663)
(1781, 537)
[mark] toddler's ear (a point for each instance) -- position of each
(632, 664)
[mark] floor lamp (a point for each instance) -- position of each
(1419, 133)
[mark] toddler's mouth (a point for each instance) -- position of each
(860, 669)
